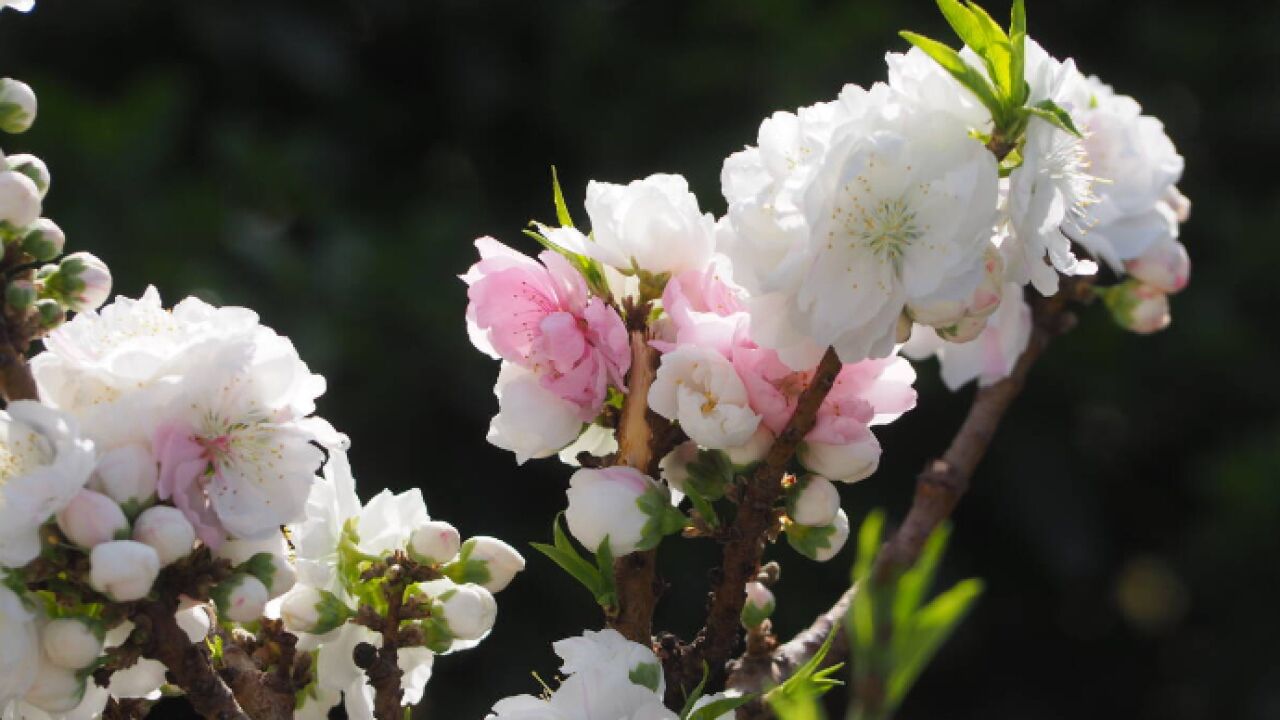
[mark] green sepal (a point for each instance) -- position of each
(753, 616)
(262, 566)
(463, 569)
(648, 675)
(664, 518)
(12, 117)
(332, 613)
(809, 540)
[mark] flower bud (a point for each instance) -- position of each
(844, 463)
(56, 690)
(1164, 266)
(44, 240)
(490, 563)
(168, 531)
(308, 610)
(754, 450)
(622, 504)
(123, 570)
(128, 475)
(266, 559)
(17, 106)
(34, 168)
(72, 643)
(814, 501)
(82, 282)
(1138, 307)
(759, 606)
(820, 543)
(91, 519)
(20, 294)
(143, 679)
(19, 200)
(193, 619)
(241, 598)
(50, 312)
(434, 542)
(469, 611)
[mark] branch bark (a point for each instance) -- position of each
(190, 664)
(719, 637)
(938, 489)
(639, 432)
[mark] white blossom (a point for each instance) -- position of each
(652, 224)
(532, 421)
(19, 645)
(43, 464)
(699, 388)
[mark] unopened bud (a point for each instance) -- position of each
(34, 168)
(488, 562)
(241, 598)
(848, 463)
(51, 313)
(266, 559)
(1164, 266)
(469, 610)
(128, 475)
(17, 106)
(72, 643)
(193, 619)
(83, 282)
(20, 294)
(759, 605)
(91, 519)
(123, 570)
(168, 531)
(1138, 307)
(434, 542)
(814, 501)
(308, 610)
(19, 200)
(675, 465)
(820, 543)
(44, 240)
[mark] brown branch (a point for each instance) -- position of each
(747, 536)
(265, 694)
(190, 664)
(382, 665)
(640, 431)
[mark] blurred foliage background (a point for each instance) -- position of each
(328, 163)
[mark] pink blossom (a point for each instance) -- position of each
(705, 310)
(541, 317)
(184, 462)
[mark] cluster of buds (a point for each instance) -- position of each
(1141, 303)
(41, 285)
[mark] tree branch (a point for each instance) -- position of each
(190, 664)
(747, 536)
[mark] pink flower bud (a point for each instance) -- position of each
(241, 598)
(604, 503)
(849, 462)
(759, 606)
(435, 542)
(123, 570)
(469, 610)
(91, 519)
(86, 281)
(1164, 266)
(168, 531)
(31, 166)
(500, 560)
(1138, 307)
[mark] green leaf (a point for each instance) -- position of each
(1018, 43)
(929, 629)
(963, 72)
(647, 675)
(915, 582)
(796, 698)
(692, 698)
(713, 710)
(1050, 112)
(557, 198)
(663, 518)
(607, 595)
(564, 554)
(967, 26)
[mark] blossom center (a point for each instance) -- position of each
(886, 227)
(21, 451)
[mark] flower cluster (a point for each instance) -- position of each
(604, 676)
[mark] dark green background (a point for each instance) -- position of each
(328, 164)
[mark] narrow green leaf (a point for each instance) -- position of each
(963, 72)
(915, 582)
(989, 26)
(967, 27)
(1018, 43)
(929, 629)
(868, 544)
(1018, 18)
(579, 569)
(713, 710)
(691, 698)
(559, 536)
(557, 197)
(1050, 112)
